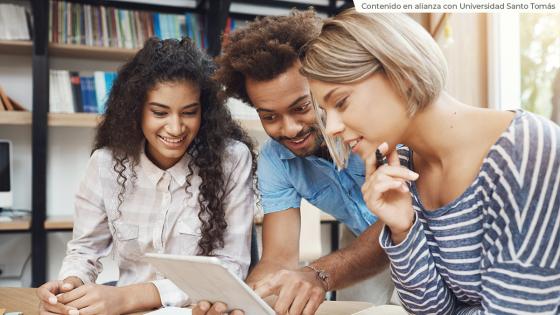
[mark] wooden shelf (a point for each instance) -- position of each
(74, 119)
(16, 225)
(16, 47)
(67, 222)
(15, 118)
(92, 120)
(91, 52)
(59, 223)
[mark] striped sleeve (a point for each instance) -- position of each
(525, 278)
(419, 285)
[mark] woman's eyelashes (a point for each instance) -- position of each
(186, 113)
(341, 103)
(159, 113)
(191, 113)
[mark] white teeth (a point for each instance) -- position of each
(300, 140)
(172, 140)
(353, 143)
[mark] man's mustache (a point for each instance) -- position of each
(299, 135)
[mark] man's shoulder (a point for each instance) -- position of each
(272, 150)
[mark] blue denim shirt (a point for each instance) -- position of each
(285, 178)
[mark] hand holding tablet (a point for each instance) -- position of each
(206, 279)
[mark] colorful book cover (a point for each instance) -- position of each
(100, 90)
(76, 92)
(88, 94)
(188, 25)
(157, 29)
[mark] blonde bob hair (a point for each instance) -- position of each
(352, 46)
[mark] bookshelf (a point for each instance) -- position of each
(15, 225)
(41, 51)
(66, 223)
(16, 47)
(90, 52)
(73, 119)
(59, 223)
(92, 120)
(15, 118)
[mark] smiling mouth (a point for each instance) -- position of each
(300, 139)
(172, 141)
(354, 143)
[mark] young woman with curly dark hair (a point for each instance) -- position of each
(171, 172)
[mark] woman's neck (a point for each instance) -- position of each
(443, 130)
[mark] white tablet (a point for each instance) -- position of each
(205, 278)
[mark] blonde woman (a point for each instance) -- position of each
(470, 201)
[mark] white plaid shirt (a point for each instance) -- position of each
(157, 216)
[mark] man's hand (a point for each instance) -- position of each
(48, 296)
(95, 299)
(218, 308)
(298, 291)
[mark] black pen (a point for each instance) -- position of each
(379, 158)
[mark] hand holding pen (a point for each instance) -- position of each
(386, 192)
(380, 159)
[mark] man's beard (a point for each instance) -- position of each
(311, 131)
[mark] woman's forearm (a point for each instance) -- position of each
(139, 297)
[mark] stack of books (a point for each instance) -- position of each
(79, 92)
(92, 25)
(15, 22)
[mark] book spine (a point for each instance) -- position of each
(92, 95)
(100, 90)
(104, 27)
(76, 92)
(117, 25)
(82, 25)
(51, 17)
(157, 30)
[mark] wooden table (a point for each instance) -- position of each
(25, 300)
(19, 299)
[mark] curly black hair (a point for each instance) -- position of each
(263, 49)
(173, 60)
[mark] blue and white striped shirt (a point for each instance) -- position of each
(494, 249)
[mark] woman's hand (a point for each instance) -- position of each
(48, 296)
(218, 308)
(386, 193)
(95, 299)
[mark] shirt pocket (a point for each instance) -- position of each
(127, 240)
(189, 234)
